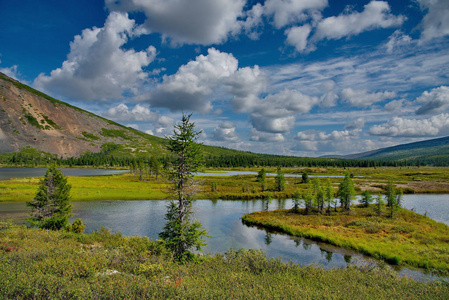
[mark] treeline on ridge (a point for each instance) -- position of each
(113, 155)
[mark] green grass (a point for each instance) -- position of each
(407, 238)
(128, 187)
(90, 136)
(89, 188)
(39, 264)
(32, 120)
(114, 133)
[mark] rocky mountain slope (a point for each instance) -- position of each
(29, 118)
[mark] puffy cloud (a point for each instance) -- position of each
(328, 99)
(297, 36)
(122, 113)
(435, 23)
(225, 132)
(159, 124)
(257, 136)
(253, 21)
(97, 68)
(313, 140)
(359, 123)
(276, 113)
(435, 100)
(436, 125)
(286, 102)
(192, 85)
(286, 12)
(193, 22)
(375, 14)
(394, 106)
(361, 98)
(245, 86)
(313, 135)
(272, 124)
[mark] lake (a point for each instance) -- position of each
(222, 219)
(8, 173)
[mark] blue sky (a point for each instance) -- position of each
(291, 77)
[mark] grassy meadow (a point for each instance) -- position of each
(39, 264)
(88, 188)
(406, 238)
(129, 187)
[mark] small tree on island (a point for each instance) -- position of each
(262, 178)
(280, 180)
(297, 200)
(181, 233)
(305, 177)
(329, 195)
(392, 202)
(378, 207)
(366, 199)
(51, 208)
(346, 192)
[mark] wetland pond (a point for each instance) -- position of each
(222, 219)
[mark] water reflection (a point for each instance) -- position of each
(222, 219)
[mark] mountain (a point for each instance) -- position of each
(32, 119)
(433, 151)
(29, 118)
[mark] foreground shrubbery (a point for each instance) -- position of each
(406, 238)
(45, 264)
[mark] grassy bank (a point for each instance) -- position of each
(37, 264)
(407, 238)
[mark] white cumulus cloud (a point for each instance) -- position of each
(436, 22)
(434, 101)
(225, 132)
(286, 12)
(361, 98)
(257, 136)
(193, 22)
(403, 127)
(191, 87)
(375, 14)
(97, 68)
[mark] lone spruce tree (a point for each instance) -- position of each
(51, 208)
(181, 233)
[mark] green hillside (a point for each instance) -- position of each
(429, 152)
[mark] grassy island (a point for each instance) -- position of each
(40, 264)
(407, 238)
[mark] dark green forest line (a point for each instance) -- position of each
(113, 155)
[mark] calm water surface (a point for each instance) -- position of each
(222, 219)
(8, 173)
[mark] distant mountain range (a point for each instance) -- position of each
(29, 118)
(426, 152)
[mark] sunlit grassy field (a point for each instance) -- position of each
(39, 264)
(406, 238)
(114, 187)
(129, 187)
